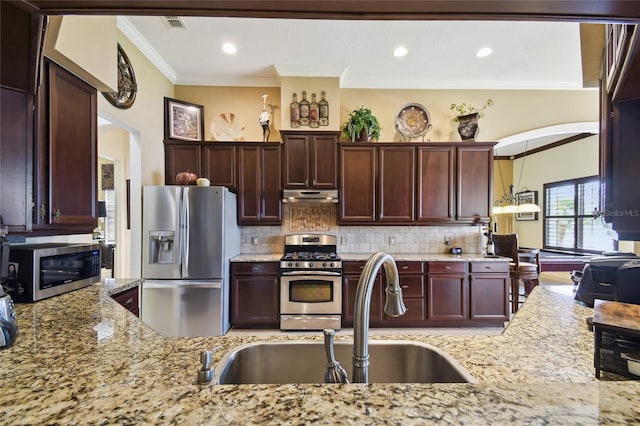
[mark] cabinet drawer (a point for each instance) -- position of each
(253, 268)
(444, 267)
(410, 267)
(128, 298)
(490, 267)
(412, 285)
(352, 267)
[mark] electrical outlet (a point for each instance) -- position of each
(392, 241)
(447, 241)
(254, 241)
(343, 240)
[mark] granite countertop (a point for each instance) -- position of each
(428, 257)
(81, 358)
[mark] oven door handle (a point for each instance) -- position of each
(311, 273)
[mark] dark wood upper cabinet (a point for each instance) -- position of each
(396, 196)
(475, 182)
(259, 185)
(66, 153)
(436, 184)
(219, 164)
(181, 157)
(310, 160)
(357, 183)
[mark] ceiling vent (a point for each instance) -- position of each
(174, 22)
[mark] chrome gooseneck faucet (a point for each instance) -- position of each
(393, 306)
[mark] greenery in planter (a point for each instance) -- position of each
(361, 119)
(464, 109)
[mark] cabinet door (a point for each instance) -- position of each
(436, 184)
(16, 164)
(181, 157)
(489, 297)
(396, 200)
(296, 161)
(67, 173)
(323, 160)
(271, 203)
(357, 184)
(219, 164)
(255, 301)
(446, 297)
(259, 192)
(349, 287)
(475, 183)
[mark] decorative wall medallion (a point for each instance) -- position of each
(127, 86)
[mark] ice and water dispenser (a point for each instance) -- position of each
(161, 247)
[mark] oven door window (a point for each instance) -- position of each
(310, 291)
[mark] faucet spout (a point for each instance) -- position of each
(394, 306)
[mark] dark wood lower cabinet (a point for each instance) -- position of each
(436, 294)
(129, 300)
(255, 295)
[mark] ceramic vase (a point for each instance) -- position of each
(468, 126)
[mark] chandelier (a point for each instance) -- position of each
(508, 204)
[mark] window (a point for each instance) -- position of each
(569, 222)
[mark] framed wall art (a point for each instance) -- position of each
(183, 120)
(527, 197)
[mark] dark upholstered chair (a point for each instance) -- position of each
(524, 265)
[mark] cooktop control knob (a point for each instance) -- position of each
(290, 264)
(310, 264)
(297, 264)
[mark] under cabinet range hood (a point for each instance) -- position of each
(310, 196)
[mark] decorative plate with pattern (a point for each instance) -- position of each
(413, 121)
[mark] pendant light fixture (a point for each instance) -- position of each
(507, 204)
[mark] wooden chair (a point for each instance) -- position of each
(524, 265)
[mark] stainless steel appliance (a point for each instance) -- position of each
(38, 271)
(189, 235)
(310, 283)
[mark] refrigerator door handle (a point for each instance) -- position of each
(185, 234)
(190, 284)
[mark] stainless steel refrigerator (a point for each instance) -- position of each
(189, 235)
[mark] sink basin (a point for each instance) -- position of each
(390, 361)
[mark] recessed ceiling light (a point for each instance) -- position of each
(229, 48)
(400, 51)
(484, 52)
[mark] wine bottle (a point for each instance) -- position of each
(304, 110)
(295, 111)
(324, 111)
(314, 112)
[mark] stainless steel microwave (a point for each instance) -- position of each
(44, 270)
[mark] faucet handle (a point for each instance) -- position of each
(335, 373)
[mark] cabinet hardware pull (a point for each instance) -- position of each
(58, 214)
(447, 267)
(129, 300)
(488, 267)
(405, 286)
(255, 269)
(43, 212)
(313, 182)
(405, 267)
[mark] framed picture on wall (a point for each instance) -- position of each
(183, 120)
(527, 197)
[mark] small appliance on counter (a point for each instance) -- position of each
(8, 323)
(611, 276)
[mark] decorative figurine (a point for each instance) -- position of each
(264, 118)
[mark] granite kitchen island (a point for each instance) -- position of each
(83, 359)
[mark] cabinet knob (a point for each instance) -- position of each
(58, 214)
(43, 212)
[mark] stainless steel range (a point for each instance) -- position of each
(310, 283)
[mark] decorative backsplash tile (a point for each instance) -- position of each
(360, 239)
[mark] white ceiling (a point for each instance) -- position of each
(526, 55)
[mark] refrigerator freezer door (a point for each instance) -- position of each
(161, 232)
(185, 308)
(203, 233)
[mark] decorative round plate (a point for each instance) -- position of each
(413, 121)
(226, 128)
(127, 86)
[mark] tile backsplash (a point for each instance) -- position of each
(360, 239)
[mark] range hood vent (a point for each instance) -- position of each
(310, 196)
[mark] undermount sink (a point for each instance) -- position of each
(391, 361)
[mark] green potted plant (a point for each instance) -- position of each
(467, 117)
(361, 126)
